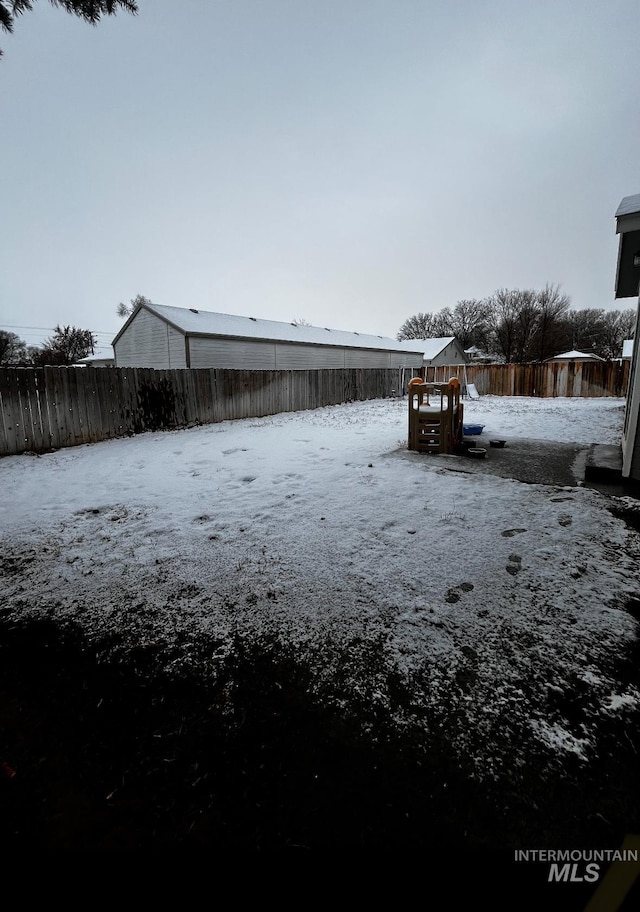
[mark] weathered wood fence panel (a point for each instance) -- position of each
(53, 407)
(573, 378)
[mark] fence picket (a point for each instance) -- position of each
(10, 402)
(32, 403)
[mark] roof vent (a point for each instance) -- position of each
(327, 329)
(193, 310)
(254, 319)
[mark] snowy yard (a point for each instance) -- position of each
(493, 617)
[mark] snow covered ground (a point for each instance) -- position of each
(497, 610)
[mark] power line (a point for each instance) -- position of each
(35, 336)
(98, 332)
(10, 326)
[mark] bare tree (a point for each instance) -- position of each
(550, 331)
(505, 308)
(469, 322)
(12, 349)
(526, 325)
(125, 310)
(618, 325)
(521, 325)
(425, 326)
(585, 328)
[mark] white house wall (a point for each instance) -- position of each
(150, 342)
(631, 431)
(634, 471)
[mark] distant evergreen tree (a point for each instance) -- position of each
(89, 10)
(67, 346)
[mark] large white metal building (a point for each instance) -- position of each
(165, 337)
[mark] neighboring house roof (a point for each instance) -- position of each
(627, 348)
(430, 348)
(477, 354)
(193, 322)
(100, 356)
(576, 356)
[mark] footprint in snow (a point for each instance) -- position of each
(454, 594)
(515, 564)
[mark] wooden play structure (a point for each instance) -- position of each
(435, 416)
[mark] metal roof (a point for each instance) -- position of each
(195, 322)
(430, 348)
(100, 354)
(630, 205)
(576, 356)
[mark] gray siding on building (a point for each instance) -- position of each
(364, 357)
(308, 357)
(248, 354)
(150, 342)
(451, 354)
(405, 359)
(233, 354)
(177, 349)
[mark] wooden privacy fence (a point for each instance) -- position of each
(572, 378)
(51, 407)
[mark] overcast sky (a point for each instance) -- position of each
(349, 162)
